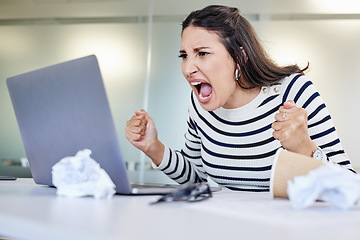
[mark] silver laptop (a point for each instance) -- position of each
(62, 109)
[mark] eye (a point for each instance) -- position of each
(203, 53)
(183, 55)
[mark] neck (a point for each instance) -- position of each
(241, 97)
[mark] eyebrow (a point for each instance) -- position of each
(198, 49)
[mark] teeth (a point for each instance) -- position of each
(201, 96)
(195, 83)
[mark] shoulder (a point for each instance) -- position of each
(294, 80)
(297, 86)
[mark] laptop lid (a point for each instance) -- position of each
(62, 109)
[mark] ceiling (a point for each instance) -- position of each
(37, 9)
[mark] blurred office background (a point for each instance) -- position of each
(137, 44)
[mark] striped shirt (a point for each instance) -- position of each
(235, 147)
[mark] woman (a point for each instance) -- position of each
(243, 108)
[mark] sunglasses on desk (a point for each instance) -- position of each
(191, 192)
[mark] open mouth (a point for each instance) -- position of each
(204, 90)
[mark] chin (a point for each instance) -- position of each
(209, 107)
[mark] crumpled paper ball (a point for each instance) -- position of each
(80, 175)
(329, 183)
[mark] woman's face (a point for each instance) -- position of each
(209, 68)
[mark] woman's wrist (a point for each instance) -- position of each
(308, 148)
(156, 152)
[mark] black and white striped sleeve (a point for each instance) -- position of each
(320, 125)
(185, 165)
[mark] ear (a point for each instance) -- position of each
(246, 57)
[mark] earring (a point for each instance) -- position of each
(237, 74)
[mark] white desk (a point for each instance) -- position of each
(29, 211)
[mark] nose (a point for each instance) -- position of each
(189, 67)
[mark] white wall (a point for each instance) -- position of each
(120, 50)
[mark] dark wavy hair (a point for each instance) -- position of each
(238, 36)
